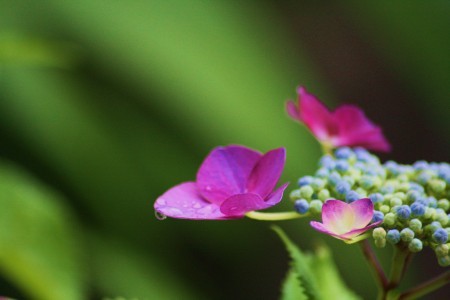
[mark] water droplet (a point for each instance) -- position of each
(160, 216)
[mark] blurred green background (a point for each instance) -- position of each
(104, 105)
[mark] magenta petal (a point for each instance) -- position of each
(337, 216)
(292, 110)
(363, 209)
(184, 202)
(316, 116)
(224, 172)
(355, 232)
(266, 172)
(276, 196)
(239, 205)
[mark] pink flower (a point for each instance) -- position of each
(346, 126)
(231, 181)
(346, 221)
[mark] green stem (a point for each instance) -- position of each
(278, 216)
(399, 263)
(379, 274)
(426, 287)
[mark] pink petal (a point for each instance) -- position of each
(355, 129)
(355, 232)
(292, 110)
(276, 196)
(363, 210)
(239, 205)
(320, 227)
(225, 171)
(316, 116)
(337, 216)
(266, 172)
(184, 202)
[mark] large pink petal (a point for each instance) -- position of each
(225, 171)
(363, 210)
(184, 202)
(321, 227)
(266, 172)
(239, 205)
(337, 216)
(316, 116)
(355, 129)
(276, 196)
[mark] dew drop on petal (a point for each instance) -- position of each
(160, 216)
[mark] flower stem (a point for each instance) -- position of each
(375, 264)
(426, 287)
(278, 216)
(400, 262)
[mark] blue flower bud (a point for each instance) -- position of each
(305, 181)
(432, 202)
(343, 153)
(424, 177)
(392, 167)
(367, 182)
(403, 212)
(376, 197)
(377, 216)
(440, 236)
(322, 173)
(416, 187)
(334, 178)
(362, 155)
(316, 206)
(360, 166)
(418, 209)
(393, 236)
(342, 165)
(420, 165)
(327, 162)
(343, 187)
(388, 189)
(415, 245)
(301, 206)
(407, 234)
(412, 195)
(352, 196)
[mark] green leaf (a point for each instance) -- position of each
(39, 249)
(292, 289)
(326, 273)
(301, 266)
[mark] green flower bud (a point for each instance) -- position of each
(430, 213)
(444, 261)
(395, 201)
(355, 174)
(415, 245)
(379, 233)
(380, 243)
(324, 195)
(390, 219)
(362, 192)
(407, 235)
(441, 250)
(403, 178)
(315, 206)
(400, 195)
(444, 204)
(404, 187)
(295, 194)
(415, 225)
(385, 209)
(306, 192)
(318, 184)
(437, 185)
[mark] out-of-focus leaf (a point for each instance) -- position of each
(301, 266)
(16, 49)
(39, 244)
(292, 289)
(120, 269)
(326, 273)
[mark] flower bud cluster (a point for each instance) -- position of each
(412, 200)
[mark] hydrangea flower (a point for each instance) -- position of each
(346, 221)
(231, 181)
(346, 126)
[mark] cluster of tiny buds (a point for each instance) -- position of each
(412, 200)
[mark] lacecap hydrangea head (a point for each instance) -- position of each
(412, 201)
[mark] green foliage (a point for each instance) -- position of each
(312, 276)
(292, 288)
(40, 249)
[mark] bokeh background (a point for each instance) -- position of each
(104, 105)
